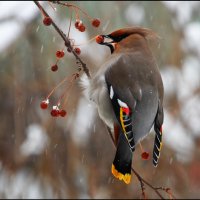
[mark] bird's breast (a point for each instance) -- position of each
(98, 93)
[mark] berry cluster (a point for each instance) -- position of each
(60, 54)
(56, 111)
(81, 27)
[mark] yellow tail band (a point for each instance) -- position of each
(125, 177)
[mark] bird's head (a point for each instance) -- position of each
(126, 37)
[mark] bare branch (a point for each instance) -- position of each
(66, 40)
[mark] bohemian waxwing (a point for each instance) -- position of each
(128, 92)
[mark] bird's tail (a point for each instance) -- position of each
(121, 167)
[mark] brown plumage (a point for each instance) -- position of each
(128, 92)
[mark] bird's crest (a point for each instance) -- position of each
(125, 32)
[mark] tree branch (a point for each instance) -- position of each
(66, 40)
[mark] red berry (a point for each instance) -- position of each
(99, 39)
(77, 50)
(145, 155)
(54, 68)
(55, 113)
(81, 28)
(47, 21)
(60, 54)
(44, 104)
(62, 113)
(77, 23)
(96, 22)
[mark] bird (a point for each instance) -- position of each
(128, 92)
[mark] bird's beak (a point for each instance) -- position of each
(108, 41)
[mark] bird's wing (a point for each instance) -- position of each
(123, 100)
(123, 114)
(158, 137)
(130, 85)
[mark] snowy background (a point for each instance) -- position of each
(43, 157)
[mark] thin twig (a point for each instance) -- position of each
(70, 23)
(74, 6)
(167, 190)
(66, 40)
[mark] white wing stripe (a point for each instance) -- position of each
(158, 138)
(127, 125)
(156, 155)
(111, 92)
(122, 104)
(126, 120)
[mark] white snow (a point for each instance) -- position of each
(83, 122)
(169, 76)
(192, 40)
(191, 72)
(135, 14)
(24, 185)
(9, 32)
(175, 136)
(182, 10)
(189, 80)
(191, 114)
(22, 13)
(35, 142)
(183, 82)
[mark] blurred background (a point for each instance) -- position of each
(71, 157)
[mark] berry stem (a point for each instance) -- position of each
(141, 148)
(57, 61)
(72, 5)
(76, 13)
(51, 6)
(42, 12)
(67, 91)
(70, 23)
(52, 91)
